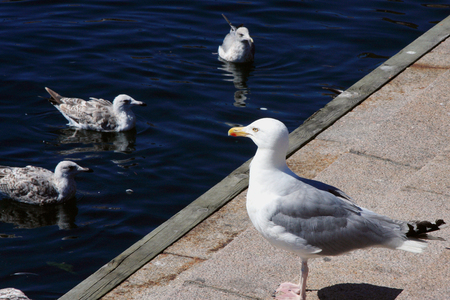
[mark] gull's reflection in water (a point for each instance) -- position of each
(93, 141)
(238, 73)
(32, 216)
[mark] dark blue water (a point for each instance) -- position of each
(162, 53)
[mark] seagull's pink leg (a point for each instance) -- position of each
(303, 278)
(287, 291)
(291, 291)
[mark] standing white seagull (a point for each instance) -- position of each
(311, 218)
(97, 114)
(237, 45)
(35, 185)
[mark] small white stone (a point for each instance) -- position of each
(386, 68)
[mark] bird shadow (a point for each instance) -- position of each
(361, 291)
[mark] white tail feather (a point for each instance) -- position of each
(413, 246)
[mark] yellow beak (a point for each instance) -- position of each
(237, 131)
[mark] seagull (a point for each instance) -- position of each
(237, 45)
(12, 294)
(311, 218)
(97, 114)
(39, 186)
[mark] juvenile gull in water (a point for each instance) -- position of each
(35, 185)
(238, 45)
(12, 294)
(97, 114)
(311, 218)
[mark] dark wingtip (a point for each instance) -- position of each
(55, 98)
(440, 222)
(226, 19)
(420, 229)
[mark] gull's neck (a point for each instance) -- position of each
(64, 184)
(122, 113)
(122, 109)
(269, 159)
(266, 169)
(125, 117)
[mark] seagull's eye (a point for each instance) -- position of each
(255, 129)
(71, 168)
(127, 101)
(241, 35)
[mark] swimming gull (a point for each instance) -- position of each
(97, 114)
(35, 185)
(311, 218)
(12, 294)
(237, 45)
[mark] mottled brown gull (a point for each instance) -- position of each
(35, 185)
(97, 114)
(311, 218)
(237, 45)
(12, 294)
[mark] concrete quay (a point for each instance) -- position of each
(391, 153)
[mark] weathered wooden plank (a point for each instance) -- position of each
(132, 259)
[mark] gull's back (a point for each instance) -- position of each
(29, 184)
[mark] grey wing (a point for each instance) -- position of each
(101, 101)
(72, 101)
(94, 112)
(326, 187)
(75, 108)
(228, 41)
(329, 223)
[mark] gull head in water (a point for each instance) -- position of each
(69, 169)
(125, 103)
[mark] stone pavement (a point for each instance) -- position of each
(391, 154)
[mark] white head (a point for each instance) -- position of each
(266, 133)
(68, 169)
(242, 34)
(124, 103)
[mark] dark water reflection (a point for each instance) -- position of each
(93, 141)
(238, 74)
(33, 216)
